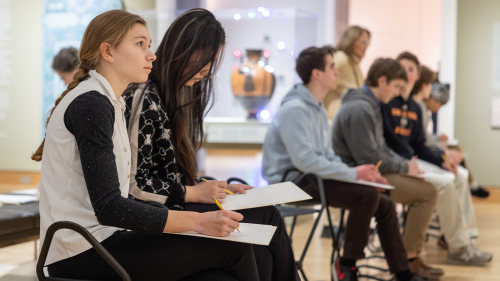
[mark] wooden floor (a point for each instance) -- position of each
(488, 213)
(16, 262)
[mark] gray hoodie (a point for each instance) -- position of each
(358, 135)
(299, 137)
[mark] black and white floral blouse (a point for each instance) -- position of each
(154, 174)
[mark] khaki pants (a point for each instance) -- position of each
(421, 197)
(454, 207)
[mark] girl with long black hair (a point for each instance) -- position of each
(165, 125)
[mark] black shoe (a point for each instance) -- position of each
(480, 192)
(346, 273)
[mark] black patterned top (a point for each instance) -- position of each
(157, 171)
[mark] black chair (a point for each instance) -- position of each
(86, 234)
(207, 275)
(299, 211)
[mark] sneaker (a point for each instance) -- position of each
(469, 255)
(346, 273)
(480, 192)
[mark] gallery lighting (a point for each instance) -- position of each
(269, 68)
(264, 115)
(266, 13)
(281, 45)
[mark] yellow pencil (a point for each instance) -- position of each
(224, 189)
(378, 165)
(220, 207)
(446, 161)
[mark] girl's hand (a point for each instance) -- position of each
(203, 192)
(238, 188)
(219, 223)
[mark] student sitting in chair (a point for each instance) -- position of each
(299, 137)
(403, 132)
(358, 139)
(165, 126)
(439, 96)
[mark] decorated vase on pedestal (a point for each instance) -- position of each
(253, 83)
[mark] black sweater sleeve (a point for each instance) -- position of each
(90, 118)
(418, 143)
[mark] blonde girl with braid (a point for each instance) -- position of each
(86, 175)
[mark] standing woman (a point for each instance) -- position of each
(85, 175)
(350, 51)
(165, 121)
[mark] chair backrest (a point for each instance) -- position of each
(88, 236)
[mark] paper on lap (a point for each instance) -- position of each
(369, 183)
(250, 233)
(274, 194)
(374, 184)
(17, 199)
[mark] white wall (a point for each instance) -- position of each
(397, 26)
(20, 113)
(446, 115)
(474, 90)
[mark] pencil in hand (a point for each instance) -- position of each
(220, 207)
(446, 161)
(378, 165)
(227, 191)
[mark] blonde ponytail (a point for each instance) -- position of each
(109, 27)
(81, 75)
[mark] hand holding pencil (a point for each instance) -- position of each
(447, 165)
(220, 207)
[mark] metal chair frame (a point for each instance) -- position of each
(297, 211)
(88, 236)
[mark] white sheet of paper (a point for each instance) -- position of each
(249, 233)
(279, 193)
(17, 199)
(32, 191)
(375, 184)
(369, 183)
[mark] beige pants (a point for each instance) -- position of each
(454, 207)
(421, 197)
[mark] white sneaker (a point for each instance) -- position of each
(469, 255)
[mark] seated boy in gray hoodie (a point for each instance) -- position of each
(358, 138)
(299, 137)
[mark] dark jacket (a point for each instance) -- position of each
(358, 136)
(403, 130)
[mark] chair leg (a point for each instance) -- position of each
(336, 243)
(303, 274)
(306, 247)
(292, 227)
(36, 250)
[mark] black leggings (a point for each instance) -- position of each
(172, 257)
(276, 261)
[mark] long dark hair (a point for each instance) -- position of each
(196, 32)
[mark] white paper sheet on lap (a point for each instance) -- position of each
(249, 233)
(265, 196)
